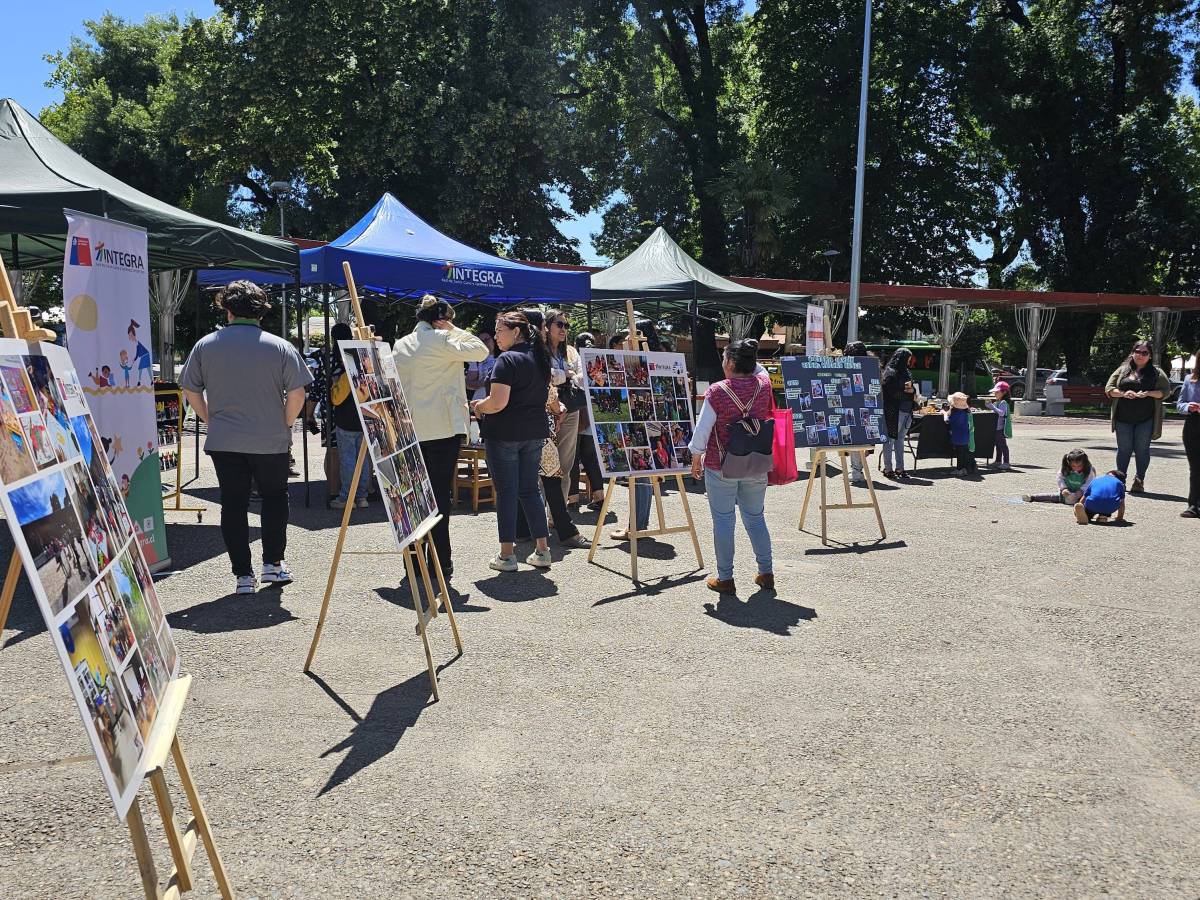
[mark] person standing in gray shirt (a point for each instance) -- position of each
(249, 387)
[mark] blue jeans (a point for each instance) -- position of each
(750, 495)
(1134, 440)
(894, 443)
(349, 443)
(515, 470)
(642, 494)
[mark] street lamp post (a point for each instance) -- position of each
(280, 190)
(859, 172)
(830, 255)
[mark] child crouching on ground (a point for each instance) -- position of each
(958, 417)
(1076, 474)
(1103, 497)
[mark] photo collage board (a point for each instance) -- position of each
(67, 515)
(835, 400)
(387, 423)
(641, 410)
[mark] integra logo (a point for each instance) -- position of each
(116, 259)
(460, 274)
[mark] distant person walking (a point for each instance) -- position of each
(248, 386)
(1137, 388)
(898, 392)
(430, 362)
(1189, 405)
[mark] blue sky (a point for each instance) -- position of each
(32, 501)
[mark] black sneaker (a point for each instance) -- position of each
(1190, 513)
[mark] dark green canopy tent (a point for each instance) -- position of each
(40, 176)
(660, 270)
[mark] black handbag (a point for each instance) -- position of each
(572, 397)
(749, 453)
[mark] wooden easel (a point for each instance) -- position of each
(637, 341)
(820, 461)
(17, 323)
(427, 607)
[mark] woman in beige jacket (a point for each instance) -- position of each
(430, 364)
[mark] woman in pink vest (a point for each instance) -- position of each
(752, 386)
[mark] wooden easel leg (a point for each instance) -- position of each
(201, 819)
(419, 551)
(337, 553)
(656, 486)
(808, 491)
(181, 847)
(10, 588)
(608, 492)
(141, 850)
(687, 514)
(874, 499)
(633, 529)
(824, 501)
(445, 595)
(422, 621)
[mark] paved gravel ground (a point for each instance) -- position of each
(993, 702)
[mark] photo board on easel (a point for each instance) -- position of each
(81, 554)
(641, 411)
(387, 426)
(835, 400)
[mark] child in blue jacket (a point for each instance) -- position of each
(958, 417)
(1103, 497)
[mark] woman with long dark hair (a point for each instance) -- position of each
(1189, 405)
(514, 427)
(430, 361)
(585, 450)
(898, 392)
(566, 375)
(1137, 388)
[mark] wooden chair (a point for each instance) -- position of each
(473, 477)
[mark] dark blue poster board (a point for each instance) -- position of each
(835, 400)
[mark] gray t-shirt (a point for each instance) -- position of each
(244, 373)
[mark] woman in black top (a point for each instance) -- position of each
(898, 391)
(347, 429)
(1137, 389)
(514, 427)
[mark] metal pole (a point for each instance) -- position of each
(1158, 327)
(944, 361)
(283, 329)
(1031, 358)
(859, 173)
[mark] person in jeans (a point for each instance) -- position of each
(514, 427)
(1188, 405)
(430, 362)
(898, 390)
(1136, 414)
(347, 429)
(725, 495)
(248, 386)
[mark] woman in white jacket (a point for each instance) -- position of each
(430, 363)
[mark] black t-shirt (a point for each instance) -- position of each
(1134, 412)
(524, 418)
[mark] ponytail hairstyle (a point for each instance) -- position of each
(434, 310)
(530, 335)
(744, 356)
(1074, 456)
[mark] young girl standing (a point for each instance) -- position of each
(1000, 406)
(1076, 474)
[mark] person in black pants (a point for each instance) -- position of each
(1189, 404)
(248, 386)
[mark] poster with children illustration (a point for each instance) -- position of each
(392, 444)
(834, 400)
(106, 295)
(641, 411)
(72, 532)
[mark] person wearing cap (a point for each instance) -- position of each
(248, 386)
(958, 418)
(1001, 392)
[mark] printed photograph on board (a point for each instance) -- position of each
(610, 405)
(52, 406)
(16, 454)
(54, 534)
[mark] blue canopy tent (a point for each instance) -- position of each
(393, 252)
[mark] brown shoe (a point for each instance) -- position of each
(1138, 487)
(721, 587)
(766, 581)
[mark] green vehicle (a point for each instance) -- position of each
(926, 364)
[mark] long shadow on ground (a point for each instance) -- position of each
(652, 588)
(402, 596)
(234, 612)
(378, 733)
(763, 610)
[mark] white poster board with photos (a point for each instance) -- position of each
(69, 523)
(641, 410)
(392, 443)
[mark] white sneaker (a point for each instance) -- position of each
(247, 584)
(276, 573)
(504, 563)
(540, 559)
